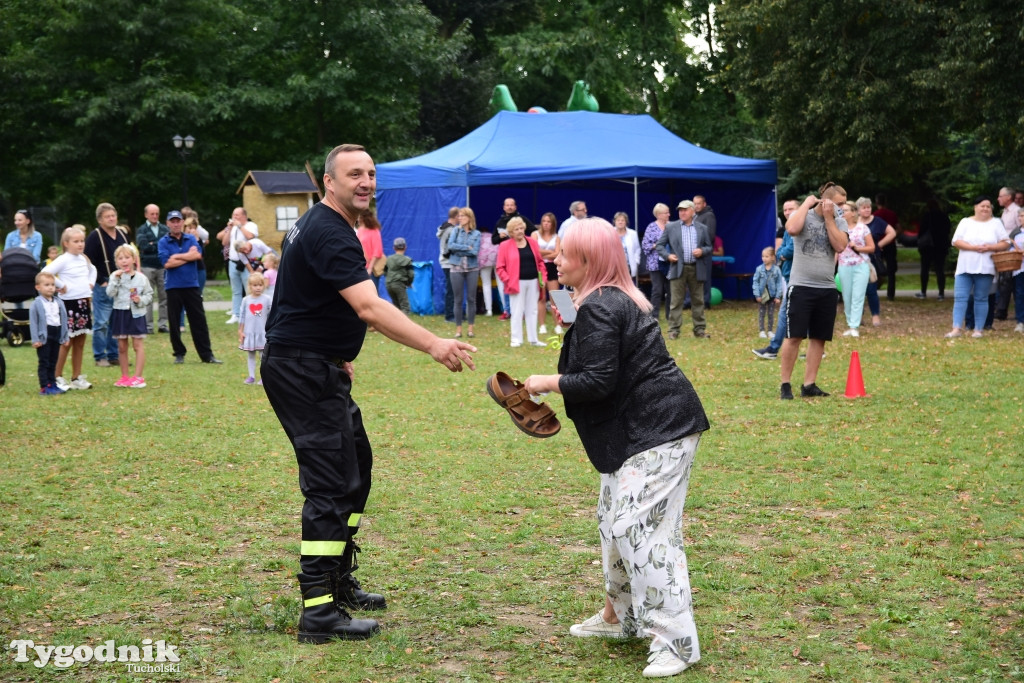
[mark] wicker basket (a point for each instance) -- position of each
(1007, 260)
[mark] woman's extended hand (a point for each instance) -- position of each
(542, 384)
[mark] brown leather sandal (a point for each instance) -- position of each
(535, 420)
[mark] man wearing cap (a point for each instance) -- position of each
(399, 276)
(147, 236)
(684, 244)
(179, 252)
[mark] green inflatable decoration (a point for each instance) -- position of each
(581, 99)
(501, 100)
(839, 284)
(716, 296)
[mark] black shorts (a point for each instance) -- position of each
(812, 311)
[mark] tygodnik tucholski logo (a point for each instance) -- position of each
(152, 657)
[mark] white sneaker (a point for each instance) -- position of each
(63, 384)
(233, 320)
(851, 333)
(1019, 328)
(663, 663)
(558, 329)
(537, 343)
(515, 345)
(596, 627)
(762, 334)
(543, 329)
(81, 382)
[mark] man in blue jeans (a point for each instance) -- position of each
(784, 254)
(99, 248)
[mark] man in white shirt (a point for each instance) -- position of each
(238, 228)
(577, 210)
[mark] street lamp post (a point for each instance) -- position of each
(184, 146)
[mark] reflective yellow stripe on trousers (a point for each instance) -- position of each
(322, 548)
(313, 602)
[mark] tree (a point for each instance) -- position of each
(978, 69)
(840, 84)
(103, 86)
(454, 103)
(617, 49)
(637, 58)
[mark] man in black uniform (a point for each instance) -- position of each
(323, 301)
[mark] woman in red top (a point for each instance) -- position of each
(521, 269)
(368, 233)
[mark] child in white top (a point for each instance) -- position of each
(75, 277)
(48, 324)
(252, 322)
(131, 293)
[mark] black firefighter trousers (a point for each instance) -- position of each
(311, 395)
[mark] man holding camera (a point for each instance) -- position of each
(238, 228)
(819, 232)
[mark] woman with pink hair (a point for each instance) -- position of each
(613, 360)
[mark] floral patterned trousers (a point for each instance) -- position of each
(640, 518)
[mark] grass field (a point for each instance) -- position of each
(877, 539)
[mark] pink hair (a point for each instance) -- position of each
(594, 242)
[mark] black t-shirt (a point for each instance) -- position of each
(320, 256)
(527, 263)
(97, 244)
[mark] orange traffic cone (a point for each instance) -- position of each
(854, 378)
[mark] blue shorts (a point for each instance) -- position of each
(123, 324)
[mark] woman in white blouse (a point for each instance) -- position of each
(976, 237)
(630, 242)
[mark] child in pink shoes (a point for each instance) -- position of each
(131, 293)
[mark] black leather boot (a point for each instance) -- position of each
(350, 594)
(323, 618)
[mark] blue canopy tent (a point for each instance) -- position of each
(614, 162)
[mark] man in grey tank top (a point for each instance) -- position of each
(819, 232)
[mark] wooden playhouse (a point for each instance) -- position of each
(275, 200)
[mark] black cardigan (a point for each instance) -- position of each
(622, 389)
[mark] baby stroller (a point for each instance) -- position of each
(18, 269)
